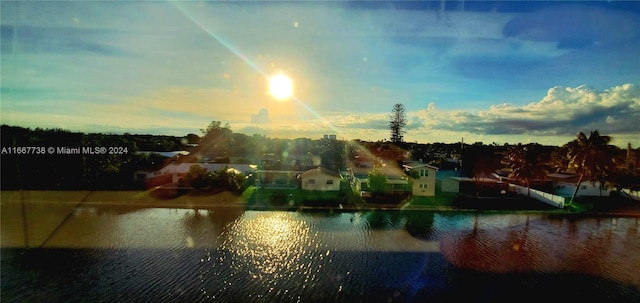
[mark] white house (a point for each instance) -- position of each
(277, 179)
(424, 178)
(565, 185)
(179, 170)
(320, 179)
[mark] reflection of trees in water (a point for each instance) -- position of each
(277, 200)
(224, 216)
(511, 249)
(600, 247)
(319, 213)
(594, 248)
(384, 219)
(523, 248)
(420, 224)
(202, 223)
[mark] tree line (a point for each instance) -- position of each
(116, 171)
(591, 157)
(78, 171)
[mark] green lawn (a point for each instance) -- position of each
(441, 199)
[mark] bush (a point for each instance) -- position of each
(197, 177)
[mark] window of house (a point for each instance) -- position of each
(423, 186)
(424, 173)
(583, 187)
(312, 181)
(329, 181)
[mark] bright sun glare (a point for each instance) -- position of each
(280, 87)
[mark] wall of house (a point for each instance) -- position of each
(321, 182)
(587, 189)
(450, 185)
(277, 179)
(158, 181)
(424, 186)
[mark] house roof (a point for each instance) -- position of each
(569, 178)
(183, 168)
(392, 170)
(467, 179)
(320, 170)
(168, 154)
(417, 164)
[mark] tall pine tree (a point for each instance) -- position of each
(397, 120)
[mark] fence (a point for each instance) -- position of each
(551, 199)
(635, 195)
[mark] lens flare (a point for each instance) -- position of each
(280, 87)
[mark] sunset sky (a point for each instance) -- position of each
(504, 72)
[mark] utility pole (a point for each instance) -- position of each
(628, 160)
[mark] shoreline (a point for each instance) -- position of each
(213, 199)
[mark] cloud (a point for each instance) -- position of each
(59, 40)
(360, 121)
(262, 117)
(574, 26)
(563, 111)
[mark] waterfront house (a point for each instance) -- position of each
(397, 180)
(424, 178)
(474, 186)
(173, 172)
(320, 179)
(277, 179)
(565, 185)
(322, 185)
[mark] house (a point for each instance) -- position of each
(358, 180)
(397, 180)
(277, 179)
(424, 178)
(320, 179)
(173, 172)
(565, 185)
(169, 154)
(474, 186)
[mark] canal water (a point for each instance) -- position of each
(229, 254)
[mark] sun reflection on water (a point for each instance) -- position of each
(269, 244)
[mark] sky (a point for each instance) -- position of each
(492, 72)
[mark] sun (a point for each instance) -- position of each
(280, 87)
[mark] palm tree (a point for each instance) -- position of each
(526, 164)
(592, 158)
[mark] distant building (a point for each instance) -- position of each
(330, 137)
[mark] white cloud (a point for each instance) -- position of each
(262, 117)
(564, 111)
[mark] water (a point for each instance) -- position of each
(228, 254)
